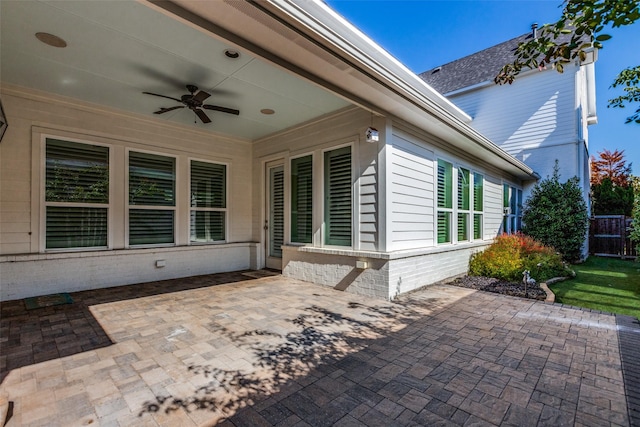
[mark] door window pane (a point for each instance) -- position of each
(276, 213)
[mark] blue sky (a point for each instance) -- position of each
(423, 34)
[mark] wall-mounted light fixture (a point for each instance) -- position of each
(372, 135)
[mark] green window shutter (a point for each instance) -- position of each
(444, 227)
(478, 195)
(76, 227)
(477, 226)
(76, 172)
(338, 195)
(463, 227)
(302, 199)
(276, 229)
(208, 185)
(445, 184)
(464, 189)
(151, 180)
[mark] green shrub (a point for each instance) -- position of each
(511, 254)
(556, 215)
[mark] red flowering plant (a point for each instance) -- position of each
(511, 254)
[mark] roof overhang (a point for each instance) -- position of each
(311, 40)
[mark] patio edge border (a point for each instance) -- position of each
(629, 342)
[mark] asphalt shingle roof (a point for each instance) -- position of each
(476, 68)
(473, 69)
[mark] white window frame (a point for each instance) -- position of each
(194, 209)
(44, 203)
(452, 210)
(129, 207)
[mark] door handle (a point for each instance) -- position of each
(266, 225)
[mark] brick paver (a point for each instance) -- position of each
(275, 351)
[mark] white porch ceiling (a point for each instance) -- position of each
(118, 49)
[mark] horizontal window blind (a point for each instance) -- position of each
(444, 227)
(276, 229)
(478, 193)
(208, 185)
(445, 183)
(477, 226)
(150, 227)
(301, 199)
(464, 189)
(76, 172)
(208, 226)
(463, 227)
(338, 197)
(76, 227)
(151, 179)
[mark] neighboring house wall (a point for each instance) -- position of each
(25, 268)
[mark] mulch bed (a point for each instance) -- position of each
(490, 284)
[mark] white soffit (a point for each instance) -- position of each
(118, 49)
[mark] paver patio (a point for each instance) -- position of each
(232, 350)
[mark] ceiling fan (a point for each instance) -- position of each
(194, 101)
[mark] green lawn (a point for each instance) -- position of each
(605, 284)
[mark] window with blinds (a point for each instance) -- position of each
(478, 205)
(276, 212)
(338, 197)
(445, 200)
(76, 195)
(208, 211)
(464, 204)
(152, 199)
(302, 199)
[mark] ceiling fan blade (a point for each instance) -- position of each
(162, 96)
(223, 109)
(202, 115)
(164, 110)
(201, 96)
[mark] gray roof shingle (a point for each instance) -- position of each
(476, 68)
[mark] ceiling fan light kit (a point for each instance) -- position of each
(194, 100)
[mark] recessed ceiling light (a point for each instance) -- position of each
(51, 40)
(267, 111)
(231, 54)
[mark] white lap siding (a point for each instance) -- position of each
(411, 195)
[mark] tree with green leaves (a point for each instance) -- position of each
(579, 30)
(556, 215)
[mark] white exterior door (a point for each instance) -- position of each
(274, 215)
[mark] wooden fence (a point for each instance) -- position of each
(609, 236)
